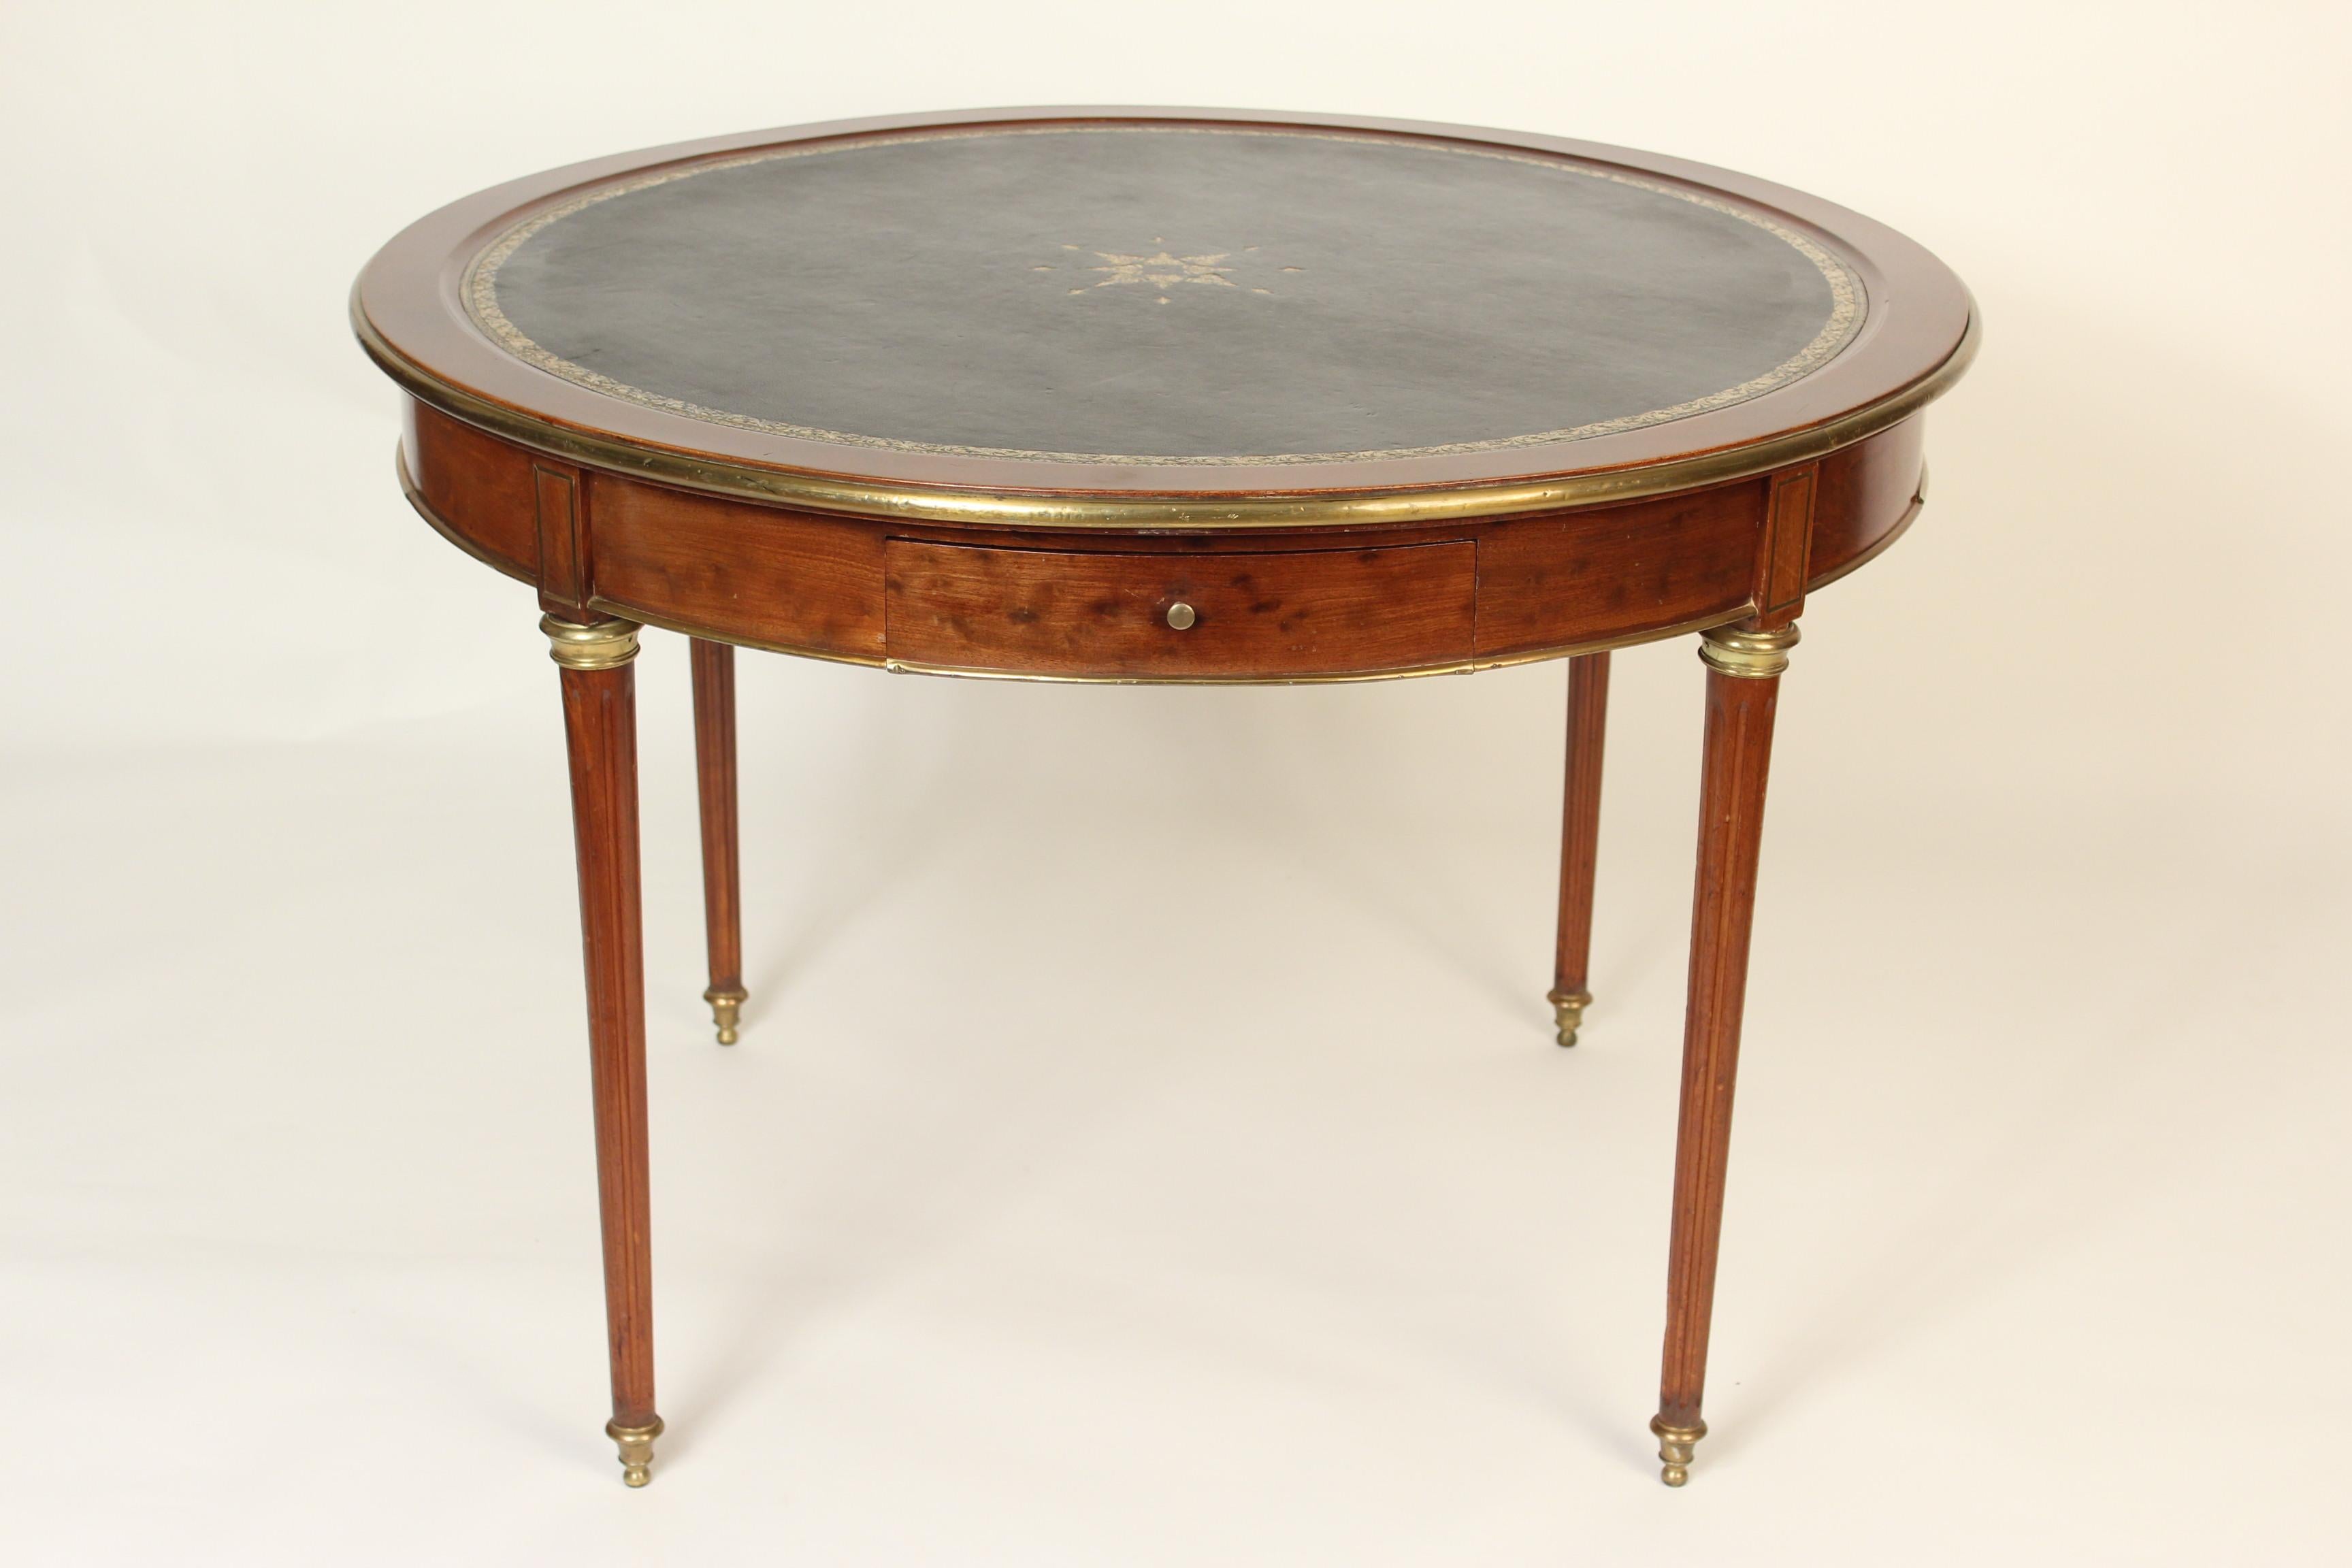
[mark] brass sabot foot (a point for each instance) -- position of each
(1674, 1444)
(1568, 1007)
(727, 1008)
(636, 1444)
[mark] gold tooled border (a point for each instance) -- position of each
(480, 293)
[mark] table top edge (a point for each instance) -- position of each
(860, 496)
(1921, 333)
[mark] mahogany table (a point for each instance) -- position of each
(1161, 396)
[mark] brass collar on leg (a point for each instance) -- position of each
(600, 645)
(1750, 655)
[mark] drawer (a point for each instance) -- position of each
(1264, 615)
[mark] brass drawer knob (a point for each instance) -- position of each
(1181, 617)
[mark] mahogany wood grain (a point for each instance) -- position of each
(739, 572)
(714, 759)
(1259, 615)
(1580, 832)
(1739, 714)
(1616, 574)
(477, 489)
(1787, 545)
(601, 728)
(1866, 492)
(564, 571)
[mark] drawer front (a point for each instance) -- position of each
(1253, 616)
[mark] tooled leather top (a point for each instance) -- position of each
(1165, 294)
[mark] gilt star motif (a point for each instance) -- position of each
(1160, 270)
(1163, 270)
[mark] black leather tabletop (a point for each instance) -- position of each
(1184, 294)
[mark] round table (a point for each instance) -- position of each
(1161, 396)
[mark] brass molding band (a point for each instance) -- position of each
(1751, 656)
(1454, 667)
(889, 499)
(600, 645)
(903, 666)
(636, 1445)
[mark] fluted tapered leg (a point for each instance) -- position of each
(1743, 685)
(722, 898)
(1579, 836)
(601, 726)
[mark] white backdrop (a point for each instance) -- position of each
(1146, 1145)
